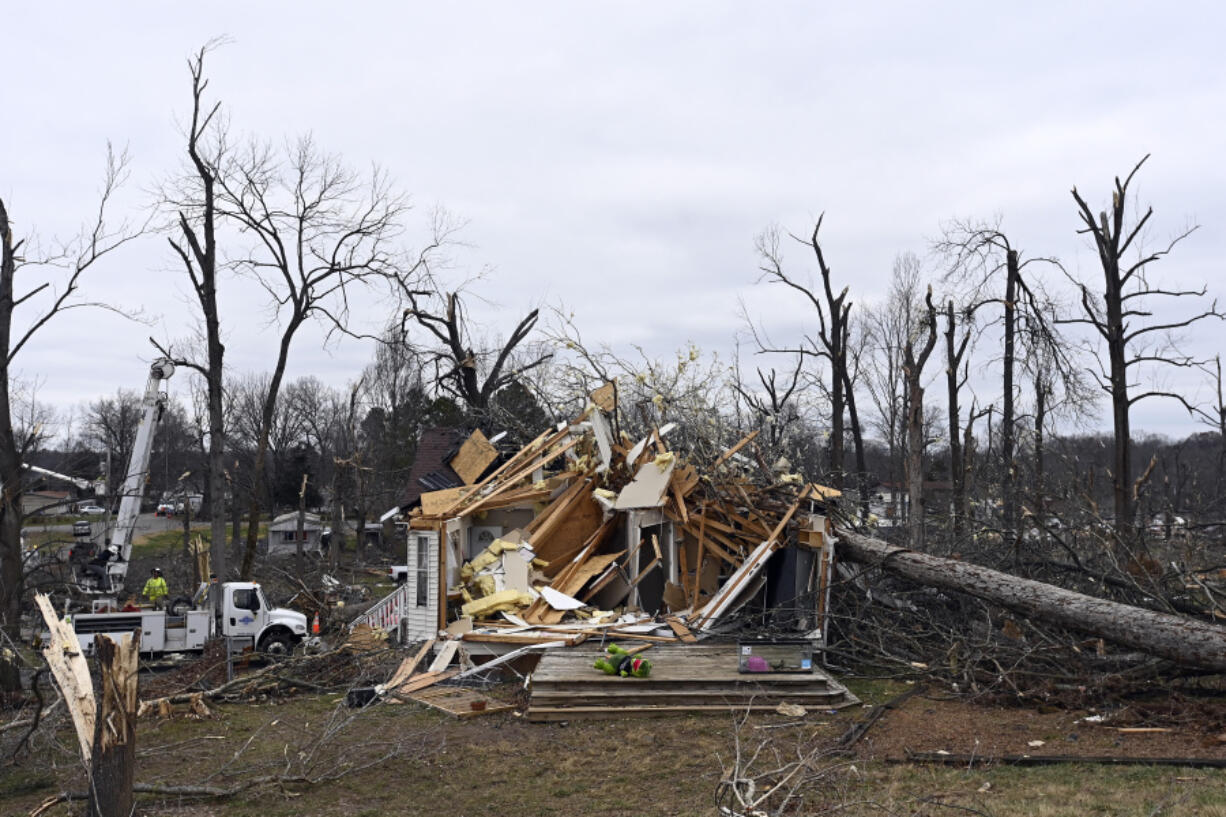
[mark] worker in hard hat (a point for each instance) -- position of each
(155, 589)
(97, 565)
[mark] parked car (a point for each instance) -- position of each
(165, 509)
(92, 510)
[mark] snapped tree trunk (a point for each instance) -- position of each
(1183, 640)
(114, 757)
(1008, 488)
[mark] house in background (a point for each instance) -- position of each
(46, 503)
(283, 535)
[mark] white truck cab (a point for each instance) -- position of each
(245, 616)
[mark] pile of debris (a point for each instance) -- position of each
(587, 534)
(580, 533)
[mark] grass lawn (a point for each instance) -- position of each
(500, 764)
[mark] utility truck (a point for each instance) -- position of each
(244, 616)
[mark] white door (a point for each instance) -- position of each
(424, 592)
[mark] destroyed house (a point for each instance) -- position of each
(579, 533)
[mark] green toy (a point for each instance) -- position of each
(620, 661)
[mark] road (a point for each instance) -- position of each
(145, 523)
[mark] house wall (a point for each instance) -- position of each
(423, 618)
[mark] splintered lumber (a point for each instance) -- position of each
(748, 438)
(408, 665)
(1183, 640)
(539, 612)
(422, 681)
(508, 657)
(739, 580)
(524, 473)
(511, 464)
(433, 503)
(71, 673)
(680, 629)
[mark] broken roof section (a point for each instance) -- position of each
(579, 533)
(447, 458)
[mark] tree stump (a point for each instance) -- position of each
(114, 754)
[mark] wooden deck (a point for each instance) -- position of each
(684, 678)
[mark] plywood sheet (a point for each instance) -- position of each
(475, 455)
(434, 503)
(460, 702)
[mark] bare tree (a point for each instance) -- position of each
(194, 203)
(889, 326)
(110, 426)
(469, 375)
(832, 325)
(914, 359)
(23, 313)
(319, 232)
(956, 374)
(1120, 316)
(980, 255)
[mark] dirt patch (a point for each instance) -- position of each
(944, 724)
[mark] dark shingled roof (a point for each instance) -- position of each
(430, 471)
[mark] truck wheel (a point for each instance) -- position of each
(277, 645)
(179, 606)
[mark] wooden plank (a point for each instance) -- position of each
(444, 657)
(681, 630)
(408, 665)
(539, 612)
(706, 537)
(425, 680)
(611, 573)
(475, 455)
(748, 438)
(522, 638)
(521, 474)
(508, 657)
(731, 588)
(643, 573)
(680, 500)
(702, 538)
(592, 567)
(569, 495)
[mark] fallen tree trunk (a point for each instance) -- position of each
(1182, 640)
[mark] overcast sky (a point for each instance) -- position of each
(620, 158)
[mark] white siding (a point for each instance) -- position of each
(423, 620)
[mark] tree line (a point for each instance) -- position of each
(847, 402)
